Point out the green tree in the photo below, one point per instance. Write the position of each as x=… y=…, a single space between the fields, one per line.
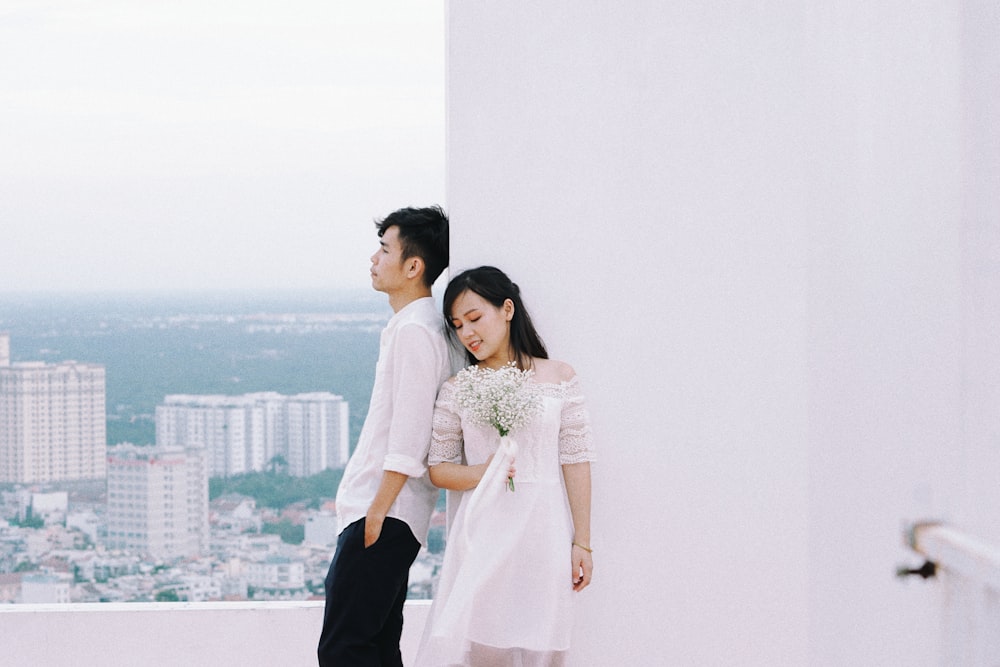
x=30 y=521
x=278 y=464
x=288 y=531
x=278 y=489
x=168 y=595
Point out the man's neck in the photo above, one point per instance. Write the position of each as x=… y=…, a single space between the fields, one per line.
x=403 y=298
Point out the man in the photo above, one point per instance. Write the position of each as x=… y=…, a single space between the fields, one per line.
x=385 y=499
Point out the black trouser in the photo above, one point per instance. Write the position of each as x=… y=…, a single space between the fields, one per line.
x=365 y=592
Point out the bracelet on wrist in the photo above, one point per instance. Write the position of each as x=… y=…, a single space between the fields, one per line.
x=587 y=549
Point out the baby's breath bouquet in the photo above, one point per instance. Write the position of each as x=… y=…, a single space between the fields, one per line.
x=502 y=398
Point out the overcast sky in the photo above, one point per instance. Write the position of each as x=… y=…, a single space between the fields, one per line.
x=210 y=144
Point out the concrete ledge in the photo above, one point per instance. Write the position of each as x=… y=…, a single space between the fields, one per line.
x=179 y=633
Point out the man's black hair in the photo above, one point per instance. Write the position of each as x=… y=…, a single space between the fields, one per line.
x=423 y=233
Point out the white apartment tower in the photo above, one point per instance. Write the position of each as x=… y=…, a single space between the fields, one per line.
x=230 y=432
x=245 y=433
x=52 y=420
x=314 y=433
x=4 y=349
x=158 y=501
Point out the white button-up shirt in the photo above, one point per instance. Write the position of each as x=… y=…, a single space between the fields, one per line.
x=413 y=362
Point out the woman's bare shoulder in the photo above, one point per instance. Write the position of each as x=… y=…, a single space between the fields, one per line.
x=552 y=371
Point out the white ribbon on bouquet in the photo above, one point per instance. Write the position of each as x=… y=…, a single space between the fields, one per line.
x=492 y=485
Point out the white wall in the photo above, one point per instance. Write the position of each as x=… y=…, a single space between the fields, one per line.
x=752 y=230
x=980 y=142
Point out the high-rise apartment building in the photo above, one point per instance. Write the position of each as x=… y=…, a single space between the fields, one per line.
x=230 y=431
x=4 y=349
x=158 y=501
x=312 y=435
x=309 y=432
x=52 y=420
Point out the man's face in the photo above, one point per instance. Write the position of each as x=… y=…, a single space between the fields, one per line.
x=388 y=272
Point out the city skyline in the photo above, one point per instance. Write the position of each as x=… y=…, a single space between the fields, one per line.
x=152 y=529
x=192 y=147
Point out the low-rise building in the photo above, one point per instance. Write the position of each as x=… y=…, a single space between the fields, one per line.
x=321 y=529
x=10 y=587
x=277 y=578
x=45 y=589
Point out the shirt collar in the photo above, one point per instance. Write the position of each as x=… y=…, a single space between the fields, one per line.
x=411 y=309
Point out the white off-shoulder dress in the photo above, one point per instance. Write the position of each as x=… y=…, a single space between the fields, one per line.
x=504 y=595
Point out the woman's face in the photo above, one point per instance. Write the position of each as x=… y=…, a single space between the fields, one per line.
x=483 y=328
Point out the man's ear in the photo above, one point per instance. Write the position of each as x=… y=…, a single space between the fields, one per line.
x=414 y=267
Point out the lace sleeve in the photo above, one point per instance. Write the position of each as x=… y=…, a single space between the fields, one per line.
x=576 y=442
x=446 y=429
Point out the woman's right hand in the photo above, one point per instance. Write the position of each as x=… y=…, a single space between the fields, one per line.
x=582 y=567
x=511 y=470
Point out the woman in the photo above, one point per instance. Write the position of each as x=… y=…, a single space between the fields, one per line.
x=514 y=557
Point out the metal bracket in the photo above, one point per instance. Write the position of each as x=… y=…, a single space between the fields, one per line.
x=927 y=570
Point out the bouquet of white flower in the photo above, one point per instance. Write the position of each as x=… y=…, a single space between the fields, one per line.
x=503 y=398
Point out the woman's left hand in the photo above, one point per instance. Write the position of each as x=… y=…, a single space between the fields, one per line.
x=583 y=567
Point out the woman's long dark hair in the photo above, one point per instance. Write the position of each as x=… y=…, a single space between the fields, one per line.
x=494 y=286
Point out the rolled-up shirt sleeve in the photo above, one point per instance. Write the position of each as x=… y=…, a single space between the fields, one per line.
x=415 y=380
